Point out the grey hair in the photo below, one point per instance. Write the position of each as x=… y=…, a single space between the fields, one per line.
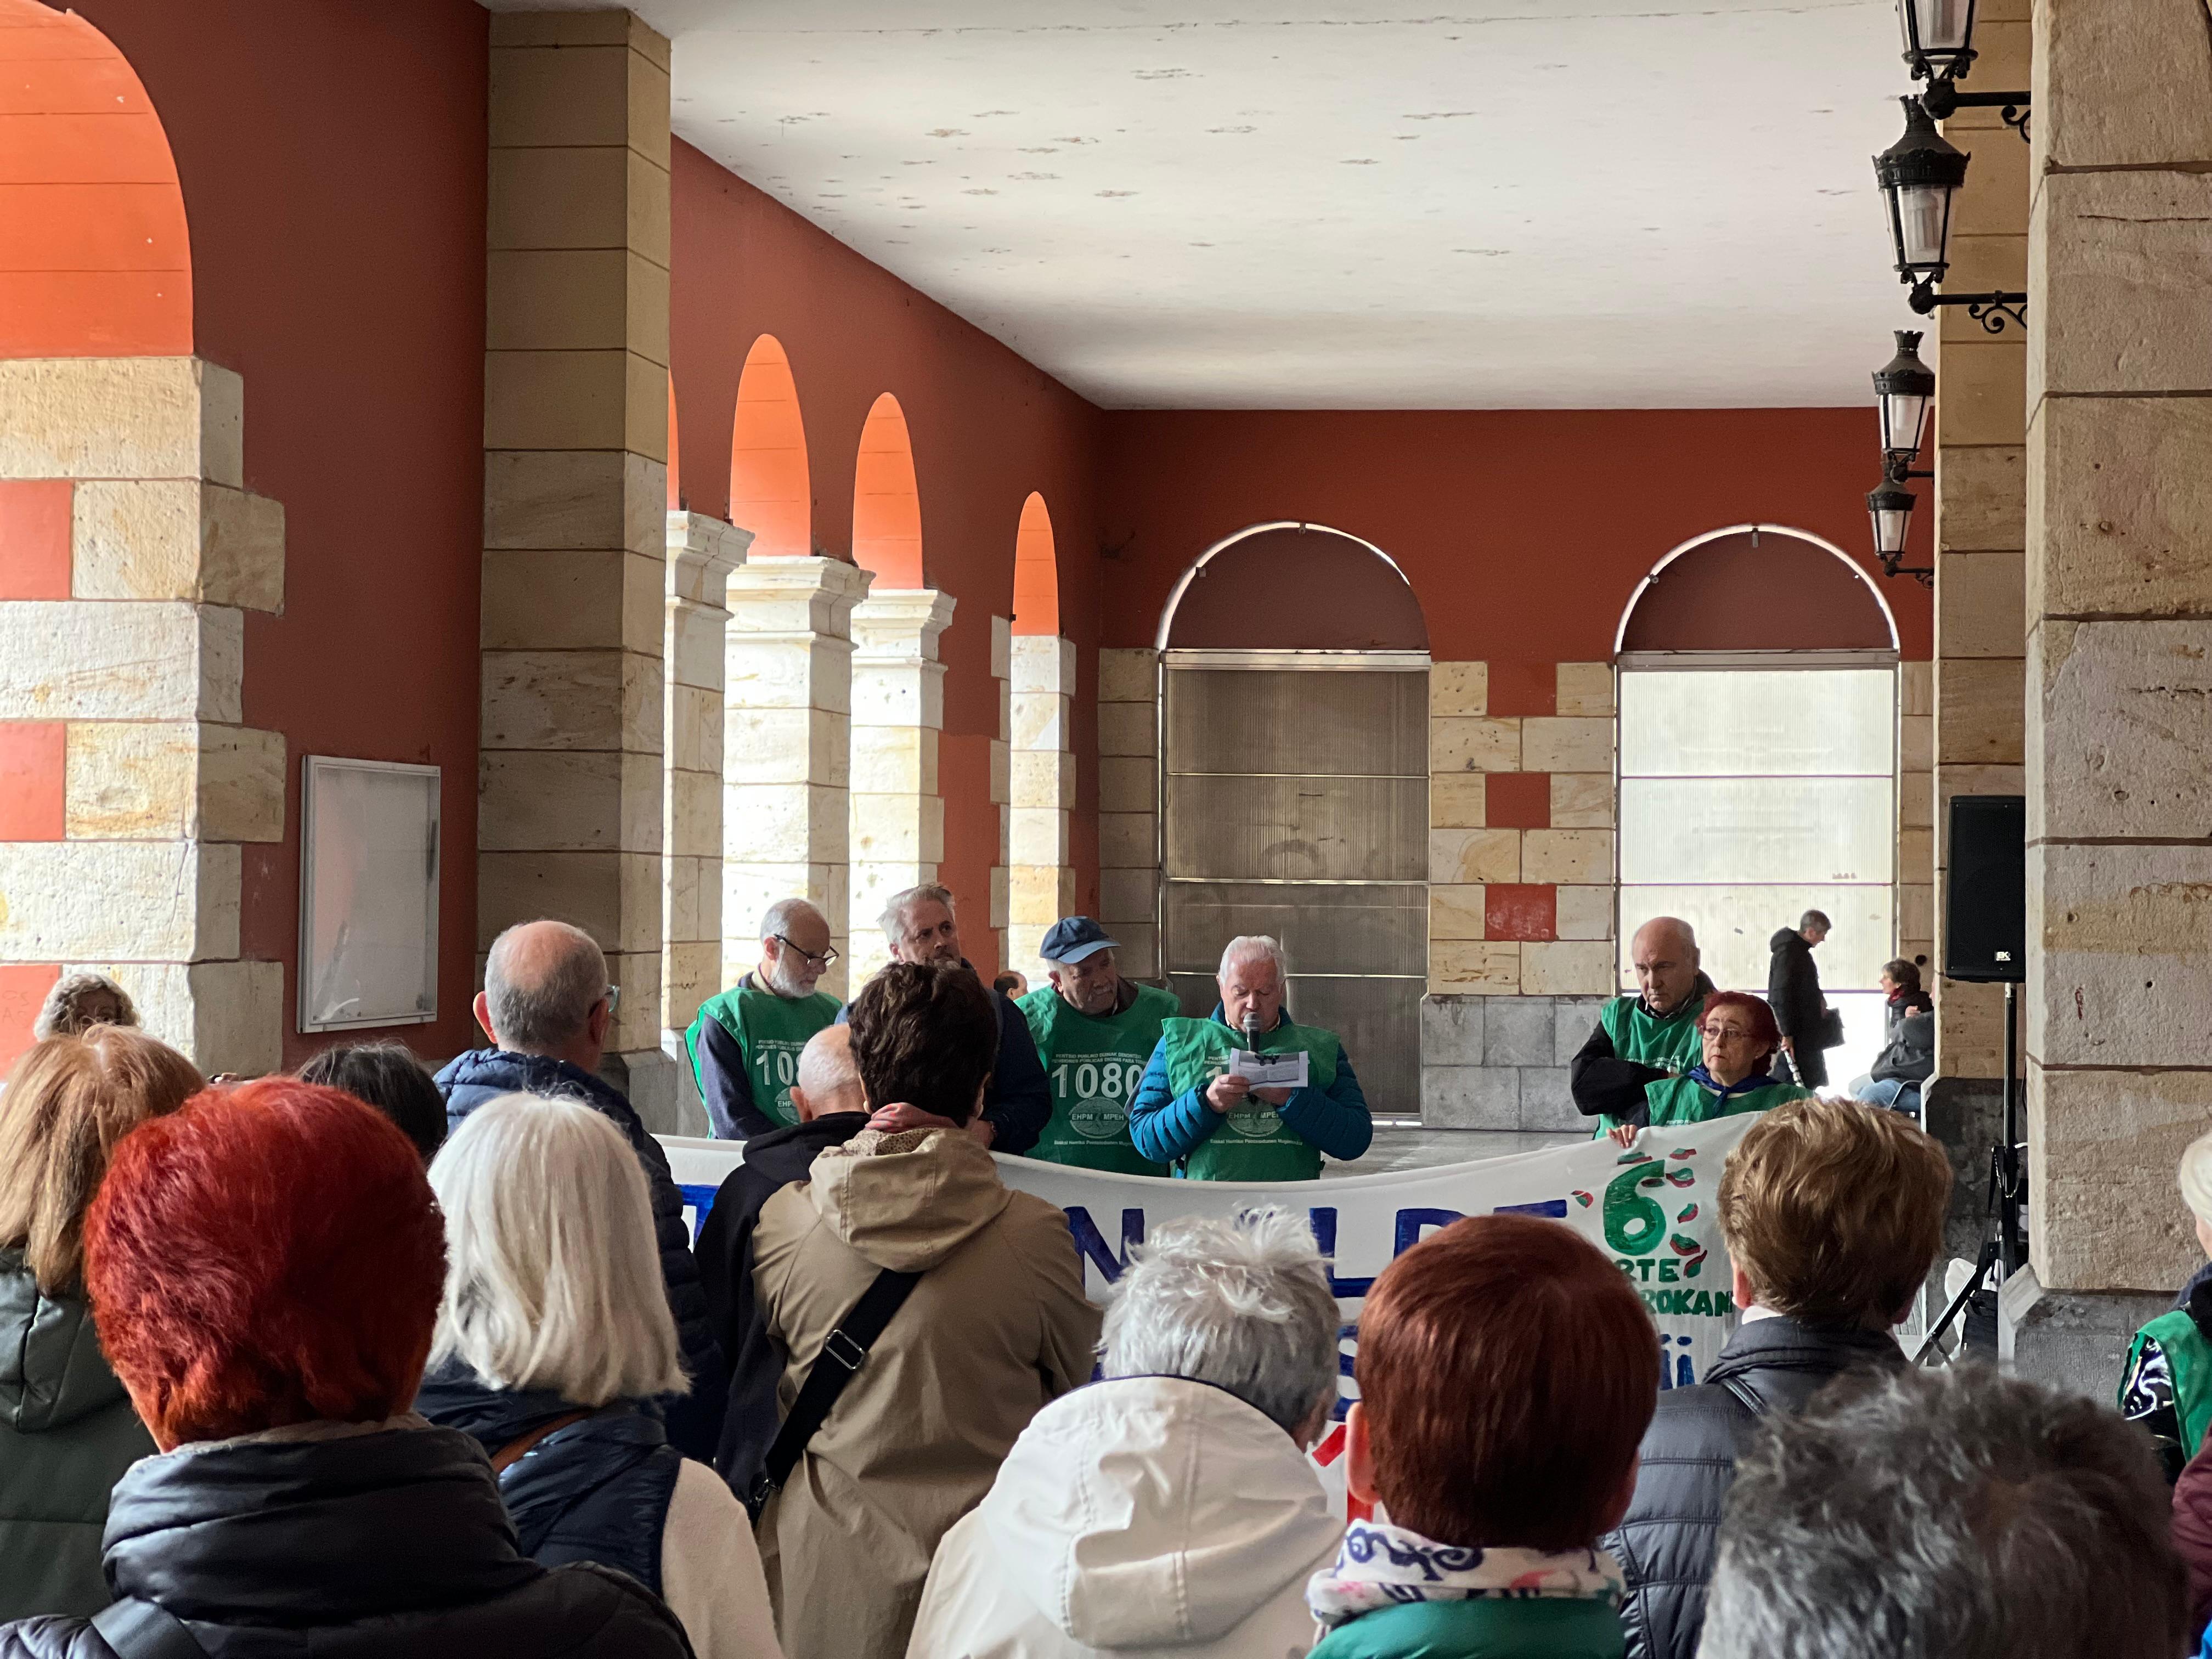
x=778 y=917
x=1947 y=1514
x=2196 y=1177
x=1243 y=1303
x=553 y=1275
x=1815 y=919
x=1255 y=945
x=550 y=1010
x=893 y=919
x=62 y=1014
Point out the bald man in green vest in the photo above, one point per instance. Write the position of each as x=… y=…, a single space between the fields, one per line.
x=1648 y=1037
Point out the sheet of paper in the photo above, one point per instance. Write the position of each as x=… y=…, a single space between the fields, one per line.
x=1269 y=1071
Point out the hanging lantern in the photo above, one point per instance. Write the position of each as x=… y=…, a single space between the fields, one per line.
x=1903 y=388
x=1918 y=174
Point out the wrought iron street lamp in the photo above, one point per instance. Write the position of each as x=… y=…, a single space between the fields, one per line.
x=1889 y=506
x=1903 y=388
x=1918 y=175
x=1939 y=48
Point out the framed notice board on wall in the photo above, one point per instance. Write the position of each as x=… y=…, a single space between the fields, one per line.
x=369 y=894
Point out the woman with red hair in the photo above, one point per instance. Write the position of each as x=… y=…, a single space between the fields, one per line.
x=265 y=1267
x=1739 y=1037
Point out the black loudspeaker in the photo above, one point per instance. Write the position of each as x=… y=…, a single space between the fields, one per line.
x=1985 y=920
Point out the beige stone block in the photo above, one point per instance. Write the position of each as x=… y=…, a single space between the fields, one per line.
x=1128 y=896
x=898 y=694
x=2118 y=272
x=1980 y=712
x=1458 y=745
x=787 y=745
x=76 y=659
x=1139 y=955
x=1567 y=855
x=2125 y=724
x=580 y=95
x=1982 y=265
x=1458 y=800
x=579 y=198
x=702 y=552
x=121 y=417
x=695 y=644
x=1467 y=968
x=1985 y=391
x=904 y=829
x=1041 y=719
x=1916 y=800
x=1039 y=834
x=1466 y=856
x=550 y=801
x=695 y=729
x=1457 y=913
x=645 y=410
x=788 y=671
x=1127 y=838
x=1126 y=783
x=684 y=877
x=695 y=808
x=1458 y=689
x=786 y=823
x=2102 y=1150
x=692 y=973
x=176 y=538
x=573 y=700
x=1046 y=778
x=1916 y=848
x=637 y=1015
x=1127 y=729
x=1586 y=688
x=1915 y=688
x=1978 y=600
x=576 y=299
x=614 y=896
x=1034 y=894
x=131 y=780
x=158 y=901
x=545 y=498
x=1916 y=742
x=1582 y=800
x=810 y=597
x=2120 y=83
x=1568 y=968
x=222 y=1015
x=556 y=400
x=1994 y=202
x=1916 y=916
x=894 y=760
x=1969 y=1030
x=1042 y=662
x=2120 y=506
x=1583 y=913
x=1001 y=765
x=1981 y=498
x=1566 y=745
x=1126 y=676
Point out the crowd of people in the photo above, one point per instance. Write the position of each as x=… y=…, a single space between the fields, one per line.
x=363 y=1362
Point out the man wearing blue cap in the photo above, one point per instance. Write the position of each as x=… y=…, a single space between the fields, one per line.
x=1094 y=1031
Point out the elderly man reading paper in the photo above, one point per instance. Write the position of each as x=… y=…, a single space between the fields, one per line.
x=1249 y=1094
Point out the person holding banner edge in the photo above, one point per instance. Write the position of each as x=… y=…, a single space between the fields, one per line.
x=1094 y=1031
x=1197 y=1110
x=1646 y=1038
x=745 y=1045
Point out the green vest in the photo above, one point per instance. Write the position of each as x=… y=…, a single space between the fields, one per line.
x=1092 y=1067
x=2189 y=1358
x=770 y=1031
x=1252 y=1143
x=1686 y=1100
x=1651 y=1039
x=1480 y=1627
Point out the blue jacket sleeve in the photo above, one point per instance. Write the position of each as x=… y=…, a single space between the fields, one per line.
x=1335 y=1119
x=1165 y=1126
x=726 y=1089
x=1018 y=1105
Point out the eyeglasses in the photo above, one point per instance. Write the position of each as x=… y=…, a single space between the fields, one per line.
x=824 y=959
x=613 y=994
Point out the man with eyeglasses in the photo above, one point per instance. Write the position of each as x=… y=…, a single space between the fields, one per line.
x=1094 y=1032
x=746 y=1043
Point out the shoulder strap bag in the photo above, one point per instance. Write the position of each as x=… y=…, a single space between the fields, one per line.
x=141 y=1630
x=844 y=1351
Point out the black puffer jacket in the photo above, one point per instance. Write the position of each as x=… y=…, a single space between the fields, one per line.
x=388 y=1545
x=1666 y=1541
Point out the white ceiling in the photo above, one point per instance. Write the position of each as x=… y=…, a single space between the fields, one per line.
x=1376 y=203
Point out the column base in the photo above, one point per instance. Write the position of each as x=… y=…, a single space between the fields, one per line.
x=2074 y=1341
x=648 y=1077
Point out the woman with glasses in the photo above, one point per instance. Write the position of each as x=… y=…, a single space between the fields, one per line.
x=746 y=1043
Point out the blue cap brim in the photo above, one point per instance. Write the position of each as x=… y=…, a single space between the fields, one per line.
x=1087 y=950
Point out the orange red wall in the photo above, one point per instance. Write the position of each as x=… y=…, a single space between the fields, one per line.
x=332 y=157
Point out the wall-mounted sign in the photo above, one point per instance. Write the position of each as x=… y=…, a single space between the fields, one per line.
x=369 y=894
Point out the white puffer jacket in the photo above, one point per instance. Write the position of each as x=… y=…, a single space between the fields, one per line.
x=1144 y=1516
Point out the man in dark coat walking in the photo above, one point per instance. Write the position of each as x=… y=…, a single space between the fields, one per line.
x=1793 y=991
x=1832 y=1212
x=548 y=1007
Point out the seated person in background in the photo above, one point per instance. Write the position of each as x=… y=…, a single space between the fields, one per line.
x=832 y=1109
x=745 y=1044
x=553 y=1340
x=1833 y=1214
x=994 y=1327
x=1220 y=1360
x=2167 y=1385
x=389 y=1077
x=78 y=1002
x=67 y=1429
x=1946 y=1515
x=1646 y=1038
x=1506 y=1371
x=1094 y=1032
x=1737 y=1033
x=1907 y=1058
x=265 y=1265
x=1192 y=1112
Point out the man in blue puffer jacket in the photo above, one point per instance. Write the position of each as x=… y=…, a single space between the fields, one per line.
x=548 y=1007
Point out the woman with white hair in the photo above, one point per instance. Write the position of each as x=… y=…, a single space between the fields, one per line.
x=1170 y=1508
x=2167 y=1386
x=554 y=1339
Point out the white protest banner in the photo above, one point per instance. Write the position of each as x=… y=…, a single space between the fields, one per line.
x=1651 y=1209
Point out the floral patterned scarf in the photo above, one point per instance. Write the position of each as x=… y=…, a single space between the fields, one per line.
x=1380 y=1565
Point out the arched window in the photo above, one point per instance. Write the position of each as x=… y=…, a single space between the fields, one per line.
x=1036 y=571
x=886 y=505
x=770 y=494
x=1759 y=763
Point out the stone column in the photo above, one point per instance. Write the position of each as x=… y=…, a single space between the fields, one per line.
x=1128 y=806
x=129 y=553
x=702 y=554
x=1916 y=814
x=898 y=713
x=1044 y=878
x=786 y=747
x=2119 y=718
x=1002 y=781
x=575 y=503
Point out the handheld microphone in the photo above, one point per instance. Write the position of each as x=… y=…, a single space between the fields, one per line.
x=1252 y=1030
